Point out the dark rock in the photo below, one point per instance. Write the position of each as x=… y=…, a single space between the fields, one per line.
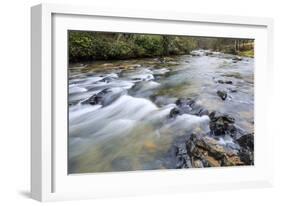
x=107 y=79
x=237 y=58
x=224 y=82
x=105 y=97
x=95 y=99
x=221 y=124
x=182 y=158
x=246 y=151
x=216 y=115
x=184 y=102
x=188 y=106
x=247 y=141
x=246 y=156
x=137 y=79
x=222 y=94
x=175 y=112
x=228 y=82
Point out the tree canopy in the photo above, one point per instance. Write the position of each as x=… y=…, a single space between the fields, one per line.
x=87 y=46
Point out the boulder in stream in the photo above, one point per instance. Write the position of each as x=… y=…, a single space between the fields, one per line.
x=188 y=106
x=222 y=94
x=246 y=152
x=225 y=81
x=205 y=152
x=182 y=158
x=221 y=124
x=105 y=97
x=237 y=58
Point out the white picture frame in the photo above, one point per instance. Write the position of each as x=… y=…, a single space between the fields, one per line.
x=49 y=178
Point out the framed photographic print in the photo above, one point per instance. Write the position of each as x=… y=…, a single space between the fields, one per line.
x=135 y=102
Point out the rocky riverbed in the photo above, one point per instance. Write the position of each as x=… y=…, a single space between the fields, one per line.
x=186 y=111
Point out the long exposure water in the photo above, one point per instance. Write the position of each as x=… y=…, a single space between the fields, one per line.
x=129 y=129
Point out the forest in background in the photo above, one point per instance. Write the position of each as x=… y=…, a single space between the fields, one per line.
x=88 y=46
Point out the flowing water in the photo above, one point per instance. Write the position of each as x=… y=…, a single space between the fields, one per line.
x=130 y=129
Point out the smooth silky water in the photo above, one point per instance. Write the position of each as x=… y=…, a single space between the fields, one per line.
x=132 y=131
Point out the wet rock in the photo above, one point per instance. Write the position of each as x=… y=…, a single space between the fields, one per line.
x=105 y=97
x=237 y=58
x=108 y=79
x=212 y=146
x=216 y=115
x=175 y=112
x=188 y=106
x=212 y=162
x=246 y=156
x=246 y=152
x=221 y=124
x=228 y=82
x=222 y=94
x=185 y=105
x=247 y=141
x=208 y=152
x=224 y=81
x=184 y=102
x=182 y=158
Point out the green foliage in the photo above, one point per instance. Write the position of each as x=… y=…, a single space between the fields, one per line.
x=150 y=45
x=120 y=50
x=247 y=53
x=85 y=46
x=80 y=46
x=183 y=45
